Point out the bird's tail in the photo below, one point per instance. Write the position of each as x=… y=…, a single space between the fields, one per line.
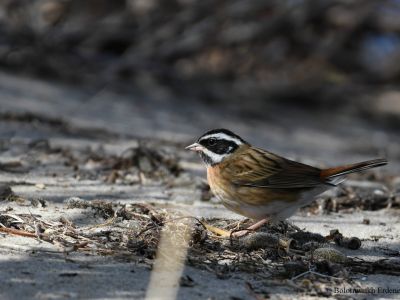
x=336 y=175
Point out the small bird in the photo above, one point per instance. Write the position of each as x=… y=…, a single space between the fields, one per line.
x=260 y=185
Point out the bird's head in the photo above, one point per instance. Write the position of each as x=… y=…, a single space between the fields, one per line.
x=216 y=145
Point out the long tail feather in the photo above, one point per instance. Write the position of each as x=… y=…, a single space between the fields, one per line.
x=333 y=174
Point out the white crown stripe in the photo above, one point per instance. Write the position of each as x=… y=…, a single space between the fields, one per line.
x=222 y=136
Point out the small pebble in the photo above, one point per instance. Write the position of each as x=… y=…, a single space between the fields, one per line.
x=352 y=243
x=260 y=240
x=329 y=254
x=40 y=186
x=5 y=191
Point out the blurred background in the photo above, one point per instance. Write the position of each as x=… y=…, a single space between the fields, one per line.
x=313 y=79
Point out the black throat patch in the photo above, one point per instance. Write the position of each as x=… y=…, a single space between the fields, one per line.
x=206 y=159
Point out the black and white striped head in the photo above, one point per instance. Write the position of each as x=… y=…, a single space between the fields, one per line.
x=215 y=145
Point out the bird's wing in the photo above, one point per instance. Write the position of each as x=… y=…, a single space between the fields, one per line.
x=259 y=168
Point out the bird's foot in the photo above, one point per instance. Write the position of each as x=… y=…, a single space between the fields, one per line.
x=234 y=233
x=216 y=230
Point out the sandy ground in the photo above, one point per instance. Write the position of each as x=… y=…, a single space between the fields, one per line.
x=33 y=269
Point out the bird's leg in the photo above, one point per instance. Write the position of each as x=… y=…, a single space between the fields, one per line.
x=253 y=227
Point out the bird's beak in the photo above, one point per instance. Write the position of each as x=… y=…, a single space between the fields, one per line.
x=195 y=147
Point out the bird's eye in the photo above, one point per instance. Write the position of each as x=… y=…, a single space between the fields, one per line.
x=212 y=142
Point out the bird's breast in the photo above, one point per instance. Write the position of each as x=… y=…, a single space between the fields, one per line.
x=220 y=186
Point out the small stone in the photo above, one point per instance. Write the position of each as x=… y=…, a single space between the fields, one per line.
x=131 y=178
x=76 y=202
x=5 y=191
x=35 y=202
x=302 y=237
x=329 y=254
x=293 y=268
x=40 y=186
x=354 y=243
x=260 y=240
